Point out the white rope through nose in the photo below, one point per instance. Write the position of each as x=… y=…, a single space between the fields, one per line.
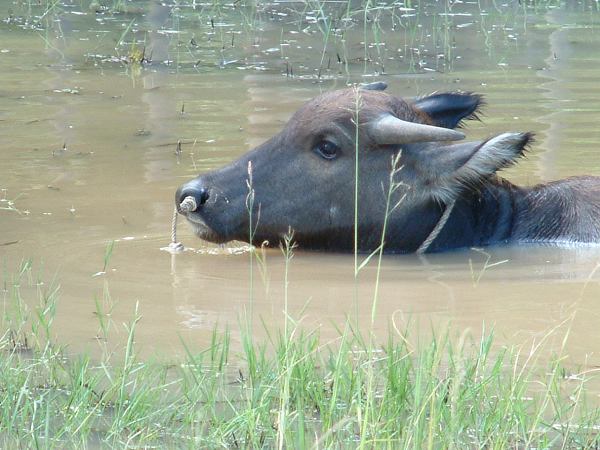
x=187 y=205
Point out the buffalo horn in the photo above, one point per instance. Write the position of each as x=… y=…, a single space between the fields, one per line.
x=391 y=130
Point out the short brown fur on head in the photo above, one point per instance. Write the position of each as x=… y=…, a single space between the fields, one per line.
x=345 y=104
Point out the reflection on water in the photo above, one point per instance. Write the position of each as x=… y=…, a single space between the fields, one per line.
x=89 y=155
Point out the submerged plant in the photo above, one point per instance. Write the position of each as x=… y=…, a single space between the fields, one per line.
x=293 y=391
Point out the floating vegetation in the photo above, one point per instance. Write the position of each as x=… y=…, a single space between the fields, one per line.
x=317 y=40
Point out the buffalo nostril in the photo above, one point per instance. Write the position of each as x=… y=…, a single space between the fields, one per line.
x=191 y=198
x=203 y=197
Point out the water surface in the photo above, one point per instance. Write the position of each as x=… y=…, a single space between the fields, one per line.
x=89 y=156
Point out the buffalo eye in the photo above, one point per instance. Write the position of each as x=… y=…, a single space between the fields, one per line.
x=326 y=149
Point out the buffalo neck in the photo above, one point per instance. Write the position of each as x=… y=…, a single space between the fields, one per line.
x=482 y=216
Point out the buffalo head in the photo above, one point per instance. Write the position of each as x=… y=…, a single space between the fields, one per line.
x=337 y=153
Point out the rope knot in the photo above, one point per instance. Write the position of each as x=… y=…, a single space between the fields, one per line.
x=188 y=204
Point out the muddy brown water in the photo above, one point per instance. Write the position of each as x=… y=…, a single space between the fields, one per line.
x=88 y=156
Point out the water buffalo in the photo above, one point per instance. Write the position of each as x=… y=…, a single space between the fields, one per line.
x=438 y=194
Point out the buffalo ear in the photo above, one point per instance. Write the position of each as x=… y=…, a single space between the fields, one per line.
x=449 y=109
x=446 y=169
